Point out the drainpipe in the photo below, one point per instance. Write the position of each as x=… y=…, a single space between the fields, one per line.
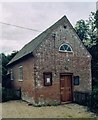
x=54 y=36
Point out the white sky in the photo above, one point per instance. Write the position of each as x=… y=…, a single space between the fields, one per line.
x=39 y=16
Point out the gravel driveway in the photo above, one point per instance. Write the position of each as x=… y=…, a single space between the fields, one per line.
x=20 y=109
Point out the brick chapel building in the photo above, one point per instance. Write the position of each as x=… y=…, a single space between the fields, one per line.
x=52 y=67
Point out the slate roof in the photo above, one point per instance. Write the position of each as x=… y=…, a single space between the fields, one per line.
x=31 y=46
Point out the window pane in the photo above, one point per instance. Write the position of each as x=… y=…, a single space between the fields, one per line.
x=62 y=48
x=47 y=79
x=68 y=49
x=20 y=73
x=65 y=47
x=76 y=80
x=11 y=74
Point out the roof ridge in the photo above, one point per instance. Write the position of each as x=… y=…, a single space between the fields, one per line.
x=36 y=41
x=45 y=30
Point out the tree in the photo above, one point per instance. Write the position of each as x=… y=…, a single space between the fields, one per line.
x=96 y=23
x=87 y=31
x=94 y=53
x=3 y=67
x=81 y=29
x=92 y=31
x=96 y=19
x=9 y=57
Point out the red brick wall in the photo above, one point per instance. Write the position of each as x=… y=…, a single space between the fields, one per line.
x=27 y=85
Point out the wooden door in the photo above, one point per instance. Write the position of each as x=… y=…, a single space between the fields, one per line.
x=66 y=88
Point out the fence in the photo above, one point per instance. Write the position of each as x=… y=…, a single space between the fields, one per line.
x=10 y=94
x=82 y=98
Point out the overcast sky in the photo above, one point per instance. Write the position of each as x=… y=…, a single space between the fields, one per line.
x=38 y=16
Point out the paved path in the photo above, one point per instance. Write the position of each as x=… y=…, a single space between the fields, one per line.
x=20 y=109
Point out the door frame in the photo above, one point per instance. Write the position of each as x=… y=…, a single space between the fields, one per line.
x=66 y=74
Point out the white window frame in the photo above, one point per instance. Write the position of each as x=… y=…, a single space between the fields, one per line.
x=11 y=74
x=65 y=50
x=19 y=74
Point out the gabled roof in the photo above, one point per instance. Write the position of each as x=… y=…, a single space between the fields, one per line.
x=31 y=46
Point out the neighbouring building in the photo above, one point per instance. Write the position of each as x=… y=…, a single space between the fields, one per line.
x=52 y=67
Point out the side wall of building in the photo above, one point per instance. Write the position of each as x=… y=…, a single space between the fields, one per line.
x=27 y=85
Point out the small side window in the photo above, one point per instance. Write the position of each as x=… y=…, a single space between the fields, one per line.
x=12 y=74
x=76 y=80
x=47 y=79
x=20 y=73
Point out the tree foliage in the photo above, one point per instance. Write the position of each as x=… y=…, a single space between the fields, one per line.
x=94 y=52
x=81 y=29
x=87 y=31
x=96 y=19
x=3 y=66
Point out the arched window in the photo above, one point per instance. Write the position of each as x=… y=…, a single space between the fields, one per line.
x=65 y=48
